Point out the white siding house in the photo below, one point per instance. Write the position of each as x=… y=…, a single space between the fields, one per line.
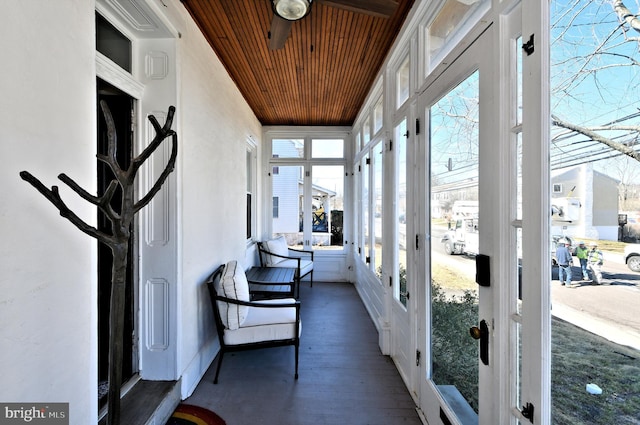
x=589 y=200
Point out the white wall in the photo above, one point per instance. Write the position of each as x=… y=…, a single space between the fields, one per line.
x=48 y=279
x=47 y=114
x=215 y=124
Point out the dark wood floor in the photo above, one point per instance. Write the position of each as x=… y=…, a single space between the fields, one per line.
x=343 y=377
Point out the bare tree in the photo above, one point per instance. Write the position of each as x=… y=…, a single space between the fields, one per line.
x=118 y=240
x=595 y=76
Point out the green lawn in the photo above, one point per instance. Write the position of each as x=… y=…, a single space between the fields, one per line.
x=578 y=358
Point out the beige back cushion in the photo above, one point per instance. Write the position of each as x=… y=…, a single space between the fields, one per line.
x=233 y=284
x=276 y=246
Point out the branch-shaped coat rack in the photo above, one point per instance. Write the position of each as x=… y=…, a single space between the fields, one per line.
x=118 y=240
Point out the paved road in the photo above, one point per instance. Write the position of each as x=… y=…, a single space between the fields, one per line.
x=611 y=310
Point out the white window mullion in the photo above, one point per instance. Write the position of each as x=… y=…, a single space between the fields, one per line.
x=536 y=274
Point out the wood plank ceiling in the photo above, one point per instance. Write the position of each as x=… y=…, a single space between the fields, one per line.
x=323 y=73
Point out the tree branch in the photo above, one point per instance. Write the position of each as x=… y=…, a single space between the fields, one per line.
x=112 y=146
x=54 y=197
x=625 y=15
x=161 y=134
x=103 y=202
x=165 y=173
x=589 y=132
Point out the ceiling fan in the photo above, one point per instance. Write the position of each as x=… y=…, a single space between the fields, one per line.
x=285 y=12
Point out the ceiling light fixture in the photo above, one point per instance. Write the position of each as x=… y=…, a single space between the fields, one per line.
x=292 y=10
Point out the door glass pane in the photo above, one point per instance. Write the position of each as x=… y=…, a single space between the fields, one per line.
x=365 y=209
x=516 y=316
x=377 y=217
x=400 y=289
x=518 y=103
x=327 y=206
x=455 y=235
x=594 y=69
x=287 y=196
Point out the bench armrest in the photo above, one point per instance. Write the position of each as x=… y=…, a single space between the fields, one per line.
x=302 y=251
x=295 y=304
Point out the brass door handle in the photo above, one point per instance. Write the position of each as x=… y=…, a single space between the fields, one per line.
x=482 y=333
x=475 y=332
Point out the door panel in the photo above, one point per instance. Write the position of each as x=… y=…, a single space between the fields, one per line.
x=461 y=221
x=402 y=320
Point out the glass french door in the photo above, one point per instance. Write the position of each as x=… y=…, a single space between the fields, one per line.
x=485 y=331
x=463 y=221
x=402 y=304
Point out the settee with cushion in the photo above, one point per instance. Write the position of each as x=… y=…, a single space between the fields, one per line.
x=276 y=253
x=245 y=325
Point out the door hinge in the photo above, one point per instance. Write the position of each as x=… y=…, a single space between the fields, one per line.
x=418 y=357
x=529 y=46
x=367 y=260
x=417 y=125
x=390 y=281
x=390 y=145
x=527 y=411
x=417 y=242
x=368 y=161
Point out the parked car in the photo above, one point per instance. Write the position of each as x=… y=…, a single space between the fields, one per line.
x=632 y=256
x=555 y=240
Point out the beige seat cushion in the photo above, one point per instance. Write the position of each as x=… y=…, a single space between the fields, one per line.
x=265 y=324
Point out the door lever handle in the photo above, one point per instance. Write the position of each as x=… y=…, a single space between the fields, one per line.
x=482 y=333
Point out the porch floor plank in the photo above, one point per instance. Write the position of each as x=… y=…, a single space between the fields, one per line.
x=343 y=377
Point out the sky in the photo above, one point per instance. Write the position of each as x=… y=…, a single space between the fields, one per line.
x=592 y=89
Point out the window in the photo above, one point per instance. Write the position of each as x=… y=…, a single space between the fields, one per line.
x=451 y=23
x=112 y=43
x=287 y=148
x=307 y=191
x=378 y=115
x=327 y=148
x=402 y=83
x=366 y=132
x=251 y=185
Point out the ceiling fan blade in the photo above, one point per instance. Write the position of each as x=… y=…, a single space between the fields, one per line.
x=379 y=8
x=279 y=32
